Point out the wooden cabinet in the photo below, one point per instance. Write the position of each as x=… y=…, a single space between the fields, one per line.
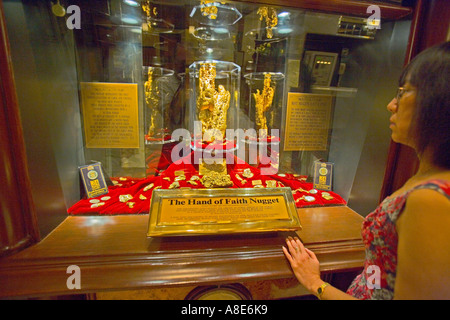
x=113 y=252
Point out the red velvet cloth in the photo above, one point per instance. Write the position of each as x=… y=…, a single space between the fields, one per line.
x=135 y=188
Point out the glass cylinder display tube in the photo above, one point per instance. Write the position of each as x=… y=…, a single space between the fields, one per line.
x=160 y=86
x=265 y=92
x=214 y=104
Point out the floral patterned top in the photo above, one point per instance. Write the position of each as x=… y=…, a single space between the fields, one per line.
x=380 y=239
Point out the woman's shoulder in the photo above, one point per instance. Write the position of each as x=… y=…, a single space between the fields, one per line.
x=429 y=193
x=428 y=202
x=439 y=181
x=440 y=184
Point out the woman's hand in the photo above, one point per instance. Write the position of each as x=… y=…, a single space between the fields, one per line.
x=304 y=263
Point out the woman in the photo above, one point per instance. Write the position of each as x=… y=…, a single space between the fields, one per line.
x=407 y=237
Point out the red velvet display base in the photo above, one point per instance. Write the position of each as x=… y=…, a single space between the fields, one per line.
x=140 y=189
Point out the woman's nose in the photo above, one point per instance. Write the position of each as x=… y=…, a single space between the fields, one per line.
x=392 y=106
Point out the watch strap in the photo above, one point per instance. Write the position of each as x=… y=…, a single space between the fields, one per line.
x=321 y=290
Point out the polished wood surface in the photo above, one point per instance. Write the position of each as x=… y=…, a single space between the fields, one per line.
x=113 y=253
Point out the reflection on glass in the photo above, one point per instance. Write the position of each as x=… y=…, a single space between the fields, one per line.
x=160 y=86
x=211 y=33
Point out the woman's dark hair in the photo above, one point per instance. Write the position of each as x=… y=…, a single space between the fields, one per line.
x=429 y=72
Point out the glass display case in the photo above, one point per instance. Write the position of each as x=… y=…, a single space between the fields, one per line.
x=142 y=86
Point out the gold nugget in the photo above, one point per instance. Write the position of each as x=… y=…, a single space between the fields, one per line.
x=208 y=10
x=142 y=197
x=216 y=180
x=180 y=178
x=269 y=14
x=327 y=196
x=125 y=197
x=148 y=187
x=146 y=7
x=271 y=184
x=212 y=104
x=247 y=173
x=257 y=183
x=174 y=185
x=263 y=101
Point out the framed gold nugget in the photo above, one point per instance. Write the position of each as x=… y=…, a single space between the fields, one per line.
x=182 y=212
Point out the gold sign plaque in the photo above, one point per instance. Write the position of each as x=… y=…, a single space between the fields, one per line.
x=110 y=114
x=221 y=211
x=308 y=119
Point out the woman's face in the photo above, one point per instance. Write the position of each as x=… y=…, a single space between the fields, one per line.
x=402 y=108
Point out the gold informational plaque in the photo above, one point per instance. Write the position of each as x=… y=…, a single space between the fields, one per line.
x=182 y=212
x=110 y=114
x=308 y=119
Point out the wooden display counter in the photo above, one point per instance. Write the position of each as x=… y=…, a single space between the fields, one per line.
x=113 y=253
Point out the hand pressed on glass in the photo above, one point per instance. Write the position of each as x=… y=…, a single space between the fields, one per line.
x=304 y=263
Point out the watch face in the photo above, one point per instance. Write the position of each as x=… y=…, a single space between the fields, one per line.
x=319 y=290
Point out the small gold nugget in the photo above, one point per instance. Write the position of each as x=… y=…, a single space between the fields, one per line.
x=174 y=185
x=247 y=173
x=125 y=197
x=243 y=181
x=271 y=184
x=148 y=187
x=300 y=190
x=142 y=197
x=180 y=178
x=216 y=180
x=327 y=196
x=179 y=173
x=257 y=184
x=271 y=17
x=130 y=204
x=208 y=10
